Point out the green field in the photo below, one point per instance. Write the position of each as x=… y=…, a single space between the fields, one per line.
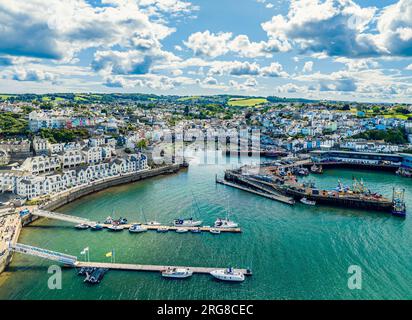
x=246 y=102
x=5 y=96
x=398 y=116
x=188 y=98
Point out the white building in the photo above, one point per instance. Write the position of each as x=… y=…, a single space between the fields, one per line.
x=41 y=164
x=33 y=186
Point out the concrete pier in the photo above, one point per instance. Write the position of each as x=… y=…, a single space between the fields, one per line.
x=151 y=268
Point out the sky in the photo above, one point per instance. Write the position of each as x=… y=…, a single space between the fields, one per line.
x=354 y=50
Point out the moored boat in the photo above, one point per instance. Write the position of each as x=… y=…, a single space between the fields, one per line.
x=109 y=220
x=162 y=229
x=115 y=228
x=137 y=228
x=228 y=274
x=308 y=202
x=177 y=273
x=153 y=223
x=225 y=223
x=96 y=227
x=187 y=222
x=196 y=230
x=182 y=230
x=214 y=231
x=82 y=226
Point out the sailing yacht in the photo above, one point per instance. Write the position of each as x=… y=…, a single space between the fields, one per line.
x=187 y=222
x=150 y=223
x=226 y=222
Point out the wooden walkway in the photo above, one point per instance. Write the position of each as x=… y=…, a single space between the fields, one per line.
x=150 y=268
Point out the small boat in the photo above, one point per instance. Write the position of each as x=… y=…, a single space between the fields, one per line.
x=214 y=231
x=96 y=276
x=196 y=230
x=109 y=220
x=308 y=202
x=162 y=229
x=122 y=221
x=177 y=273
x=96 y=227
x=399 y=209
x=153 y=223
x=316 y=169
x=84 y=270
x=82 y=226
x=137 y=228
x=187 y=222
x=228 y=274
x=225 y=223
x=182 y=230
x=115 y=228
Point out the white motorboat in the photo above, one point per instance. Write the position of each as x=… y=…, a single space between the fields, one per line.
x=137 y=228
x=214 y=231
x=225 y=223
x=228 y=275
x=308 y=202
x=182 y=230
x=187 y=223
x=177 y=273
x=82 y=226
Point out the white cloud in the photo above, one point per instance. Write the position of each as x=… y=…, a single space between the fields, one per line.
x=208 y=44
x=56 y=29
x=212 y=45
x=308 y=67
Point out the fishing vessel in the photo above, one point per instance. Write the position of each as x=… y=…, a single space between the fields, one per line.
x=162 y=229
x=82 y=226
x=177 y=273
x=187 y=222
x=308 y=202
x=214 y=231
x=399 y=207
x=137 y=228
x=228 y=274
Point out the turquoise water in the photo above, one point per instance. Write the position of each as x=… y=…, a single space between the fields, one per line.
x=295 y=252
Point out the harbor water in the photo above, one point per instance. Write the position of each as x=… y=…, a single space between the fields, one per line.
x=295 y=252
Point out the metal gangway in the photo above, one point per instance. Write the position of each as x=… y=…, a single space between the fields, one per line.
x=43 y=253
x=62 y=217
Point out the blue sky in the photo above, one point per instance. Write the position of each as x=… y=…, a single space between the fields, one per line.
x=324 y=49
